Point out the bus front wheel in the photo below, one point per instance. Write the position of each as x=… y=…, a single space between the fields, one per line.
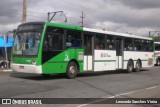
x=130 y=66
x=71 y=70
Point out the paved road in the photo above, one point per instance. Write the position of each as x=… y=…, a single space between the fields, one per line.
x=88 y=85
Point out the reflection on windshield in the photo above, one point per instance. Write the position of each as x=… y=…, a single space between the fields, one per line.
x=26 y=43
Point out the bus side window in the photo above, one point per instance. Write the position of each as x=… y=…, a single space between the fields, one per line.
x=135 y=48
x=73 y=39
x=100 y=41
x=110 y=43
x=138 y=44
x=53 y=39
x=110 y=46
x=128 y=45
x=150 y=46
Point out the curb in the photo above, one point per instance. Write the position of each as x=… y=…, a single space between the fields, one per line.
x=5 y=70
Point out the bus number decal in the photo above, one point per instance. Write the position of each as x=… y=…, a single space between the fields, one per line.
x=66 y=56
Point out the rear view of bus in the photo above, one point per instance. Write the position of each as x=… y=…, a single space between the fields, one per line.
x=26 y=47
x=157 y=53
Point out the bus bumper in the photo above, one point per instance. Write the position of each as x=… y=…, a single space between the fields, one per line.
x=24 y=68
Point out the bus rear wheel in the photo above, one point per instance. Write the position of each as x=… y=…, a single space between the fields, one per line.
x=71 y=70
x=138 y=66
x=130 y=66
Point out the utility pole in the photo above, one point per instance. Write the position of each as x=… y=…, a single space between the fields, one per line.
x=82 y=17
x=24 y=11
x=5 y=48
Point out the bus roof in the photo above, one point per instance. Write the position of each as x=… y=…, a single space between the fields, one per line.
x=88 y=29
x=98 y=31
x=30 y=23
x=67 y=26
x=116 y=33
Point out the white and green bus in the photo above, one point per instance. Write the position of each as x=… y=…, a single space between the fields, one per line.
x=52 y=48
x=157 y=53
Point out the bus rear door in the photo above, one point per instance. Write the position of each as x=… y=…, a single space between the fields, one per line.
x=119 y=53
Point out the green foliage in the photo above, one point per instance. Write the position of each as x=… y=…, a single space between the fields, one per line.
x=157 y=38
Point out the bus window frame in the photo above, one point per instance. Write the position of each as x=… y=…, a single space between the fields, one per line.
x=63 y=36
x=114 y=39
x=98 y=47
x=75 y=34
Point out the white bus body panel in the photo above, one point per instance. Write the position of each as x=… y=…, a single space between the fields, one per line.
x=27 y=68
x=87 y=65
x=104 y=60
x=145 y=57
x=90 y=63
x=85 y=61
x=119 y=62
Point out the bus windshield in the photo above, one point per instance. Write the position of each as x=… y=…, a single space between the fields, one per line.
x=26 y=43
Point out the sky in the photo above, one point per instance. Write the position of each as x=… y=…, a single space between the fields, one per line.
x=125 y=16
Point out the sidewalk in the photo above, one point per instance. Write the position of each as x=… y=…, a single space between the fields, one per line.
x=5 y=70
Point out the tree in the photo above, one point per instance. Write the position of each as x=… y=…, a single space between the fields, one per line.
x=157 y=38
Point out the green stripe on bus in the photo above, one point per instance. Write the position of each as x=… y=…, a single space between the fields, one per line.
x=65 y=26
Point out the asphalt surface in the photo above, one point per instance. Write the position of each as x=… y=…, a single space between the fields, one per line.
x=112 y=84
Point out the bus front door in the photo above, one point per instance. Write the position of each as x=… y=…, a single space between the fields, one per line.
x=119 y=53
x=88 y=52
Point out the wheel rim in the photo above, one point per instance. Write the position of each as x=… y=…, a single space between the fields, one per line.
x=137 y=66
x=130 y=67
x=72 y=70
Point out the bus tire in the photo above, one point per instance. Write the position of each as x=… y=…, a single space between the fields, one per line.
x=130 y=66
x=138 y=66
x=71 y=70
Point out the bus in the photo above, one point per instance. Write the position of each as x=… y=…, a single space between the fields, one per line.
x=157 y=53
x=52 y=48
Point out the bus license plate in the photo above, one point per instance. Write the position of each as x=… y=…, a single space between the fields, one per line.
x=21 y=67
